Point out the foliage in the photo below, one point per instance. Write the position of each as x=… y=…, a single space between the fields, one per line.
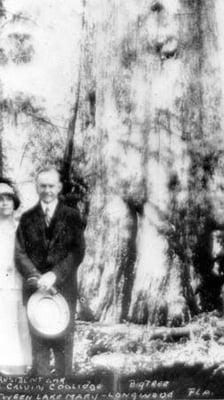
x=21 y=48
x=127 y=350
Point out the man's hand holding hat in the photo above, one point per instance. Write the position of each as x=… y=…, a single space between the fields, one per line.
x=46 y=281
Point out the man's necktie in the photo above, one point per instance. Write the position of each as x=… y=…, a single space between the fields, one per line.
x=47 y=216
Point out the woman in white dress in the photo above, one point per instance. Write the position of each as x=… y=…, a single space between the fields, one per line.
x=15 y=347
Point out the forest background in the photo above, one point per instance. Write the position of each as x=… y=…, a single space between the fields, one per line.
x=127 y=99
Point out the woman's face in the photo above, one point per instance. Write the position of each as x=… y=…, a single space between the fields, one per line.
x=6 y=205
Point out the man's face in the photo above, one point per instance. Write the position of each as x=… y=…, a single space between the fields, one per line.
x=48 y=186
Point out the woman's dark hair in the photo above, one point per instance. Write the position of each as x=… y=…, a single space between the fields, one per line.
x=15 y=196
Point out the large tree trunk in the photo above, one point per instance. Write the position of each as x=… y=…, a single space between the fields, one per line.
x=148 y=140
x=155 y=85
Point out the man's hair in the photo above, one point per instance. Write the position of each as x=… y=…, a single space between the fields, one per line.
x=49 y=168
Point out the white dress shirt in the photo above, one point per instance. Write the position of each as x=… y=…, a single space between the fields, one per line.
x=51 y=207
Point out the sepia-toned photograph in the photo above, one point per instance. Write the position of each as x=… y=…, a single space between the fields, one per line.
x=111 y=199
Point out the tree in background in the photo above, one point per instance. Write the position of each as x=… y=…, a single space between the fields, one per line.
x=158 y=123
x=128 y=105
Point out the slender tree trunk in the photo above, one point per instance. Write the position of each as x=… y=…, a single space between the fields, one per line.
x=1 y=108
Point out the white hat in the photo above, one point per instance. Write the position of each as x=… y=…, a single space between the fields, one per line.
x=6 y=189
x=40 y=306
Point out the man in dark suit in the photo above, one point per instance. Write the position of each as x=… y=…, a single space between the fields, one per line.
x=49 y=248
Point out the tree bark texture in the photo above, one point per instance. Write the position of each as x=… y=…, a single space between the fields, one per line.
x=158 y=124
x=147 y=120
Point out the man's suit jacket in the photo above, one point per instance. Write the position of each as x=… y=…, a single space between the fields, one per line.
x=59 y=248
